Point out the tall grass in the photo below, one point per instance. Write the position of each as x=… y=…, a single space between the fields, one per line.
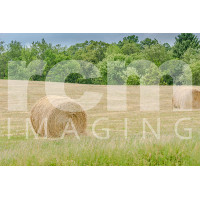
x=90 y=151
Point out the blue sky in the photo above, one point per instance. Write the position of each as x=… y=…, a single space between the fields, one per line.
x=73 y=38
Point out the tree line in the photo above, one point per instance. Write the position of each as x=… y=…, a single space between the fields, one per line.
x=186 y=48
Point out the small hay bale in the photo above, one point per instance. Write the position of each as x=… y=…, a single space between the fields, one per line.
x=186 y=98
x=58 y=112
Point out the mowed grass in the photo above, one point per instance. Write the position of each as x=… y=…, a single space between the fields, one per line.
x=125 y=145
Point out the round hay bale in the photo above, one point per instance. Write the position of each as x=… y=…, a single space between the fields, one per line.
x=186 y=98
x=60 y=113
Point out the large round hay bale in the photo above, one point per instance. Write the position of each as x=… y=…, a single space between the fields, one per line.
x=186 y=98
x=60 y=113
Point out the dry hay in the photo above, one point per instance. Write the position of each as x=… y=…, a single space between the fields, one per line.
x=60 y=113
x=186 y=98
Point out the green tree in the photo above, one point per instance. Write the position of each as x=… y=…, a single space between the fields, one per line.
x=3 y=61
x=116 y=70
x=130 y=48
x=47 y=52
x=167 y=46
x=152 y=76
x=157 y=54
x=191 y=56
x=195 y=67
x=129 y=39
x=14 y=51
x=131 y=76
x=2 y=48
x=133 y=80
x=91 y=51
x=113 y=49
x=148 y=42
x=73 y=78
x=173 y=72
x=183 y=42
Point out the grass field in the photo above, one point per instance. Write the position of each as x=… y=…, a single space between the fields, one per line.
x=117 y=149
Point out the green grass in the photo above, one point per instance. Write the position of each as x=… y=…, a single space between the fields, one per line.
x=93 y=152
